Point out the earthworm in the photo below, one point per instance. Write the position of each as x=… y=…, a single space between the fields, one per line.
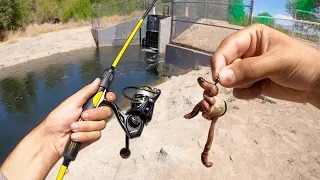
x=211 y=109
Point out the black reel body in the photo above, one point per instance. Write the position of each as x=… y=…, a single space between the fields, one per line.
x=140 y=113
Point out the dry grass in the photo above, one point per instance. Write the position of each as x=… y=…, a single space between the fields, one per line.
x=34 y=30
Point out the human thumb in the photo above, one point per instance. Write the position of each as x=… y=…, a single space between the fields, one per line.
x=246 y=72
x=81 y=96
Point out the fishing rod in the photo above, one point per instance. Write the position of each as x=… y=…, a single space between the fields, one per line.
x=72 y=148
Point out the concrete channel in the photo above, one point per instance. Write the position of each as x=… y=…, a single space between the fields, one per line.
x=177 y=60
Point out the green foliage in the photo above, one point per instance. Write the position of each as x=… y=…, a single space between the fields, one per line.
x=13 y=14
x=76 y=10
x=134 y=5
x=46 y=10
x=237 y=14
x=16 y=14
x=6 y=14
x=305 y=5
x=117 y=7
x=262 y=20
x=111 y=7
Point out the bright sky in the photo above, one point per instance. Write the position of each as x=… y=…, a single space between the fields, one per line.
x=276 y=8
x=273 y=7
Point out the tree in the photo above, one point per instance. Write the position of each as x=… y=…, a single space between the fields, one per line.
x=264 y=20
x=76 y=10
x=303 y=30
x=13 y=14
x=237 y=14
x=46 y=10
x=304 y=5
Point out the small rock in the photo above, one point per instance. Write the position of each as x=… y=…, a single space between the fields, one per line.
x=293 y=131
x=290 y=161
x=162 y=155
x=230 y=158
x=171 y=155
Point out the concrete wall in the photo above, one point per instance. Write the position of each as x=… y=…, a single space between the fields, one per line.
x=164 y=34
x=179 y=60
x=117 y=35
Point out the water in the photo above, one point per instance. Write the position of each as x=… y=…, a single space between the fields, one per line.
x=31 y=90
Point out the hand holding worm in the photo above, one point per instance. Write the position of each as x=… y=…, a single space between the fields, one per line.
x=211 y=109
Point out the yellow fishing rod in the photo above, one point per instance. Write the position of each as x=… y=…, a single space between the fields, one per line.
x=72 y=148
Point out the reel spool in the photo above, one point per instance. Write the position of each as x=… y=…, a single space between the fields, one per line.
x=140 y=113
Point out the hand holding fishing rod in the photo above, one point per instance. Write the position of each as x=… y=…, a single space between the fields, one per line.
x=72 y=147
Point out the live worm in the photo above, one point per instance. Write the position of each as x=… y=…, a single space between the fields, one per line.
x=211 y=109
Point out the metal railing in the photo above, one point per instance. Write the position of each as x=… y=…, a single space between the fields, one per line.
x=122 y=8
x=190 y=14
x=125 y=9
x=306 y=31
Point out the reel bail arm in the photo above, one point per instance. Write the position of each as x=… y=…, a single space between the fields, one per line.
x=140 y=113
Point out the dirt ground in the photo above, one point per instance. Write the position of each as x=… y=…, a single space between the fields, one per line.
x=25 y=49
x=257 y=139
x=206 y=38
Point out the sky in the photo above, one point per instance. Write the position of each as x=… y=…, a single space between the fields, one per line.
x=273 y=7
x=276 y=8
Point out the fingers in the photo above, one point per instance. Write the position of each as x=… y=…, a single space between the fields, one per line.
x=230 y=49
x=86 y=136
x=88 y=126
x=99 y=113
x=250 y=41
x=247 y=71
x=111 y=97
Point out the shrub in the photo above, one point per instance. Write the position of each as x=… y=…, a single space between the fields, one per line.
x=46 y=10
x=76 y=10
x=267 y=21
x=237 y=14
x=13 y=14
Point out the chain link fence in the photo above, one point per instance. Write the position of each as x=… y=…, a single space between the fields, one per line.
x=108 y=14
x=305 y=31
x=202 y=25
x=105 y=15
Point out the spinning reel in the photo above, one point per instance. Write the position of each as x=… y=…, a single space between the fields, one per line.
x=140 y=113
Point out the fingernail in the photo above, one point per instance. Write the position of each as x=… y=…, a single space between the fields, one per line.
x=111 y=97
x=74 y=136
x=74 y=126
x=95 y=81
x=227 y=76
x=85 y=116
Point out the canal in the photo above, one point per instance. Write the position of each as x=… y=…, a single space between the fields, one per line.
x=30 y=91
